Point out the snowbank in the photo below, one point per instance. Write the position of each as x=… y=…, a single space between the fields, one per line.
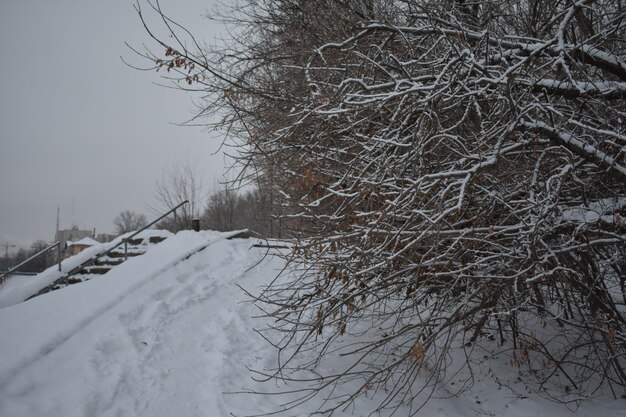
x=169 y=334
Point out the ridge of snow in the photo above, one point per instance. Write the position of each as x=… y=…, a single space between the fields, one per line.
x=74 y=309
x=17 y=289
x=84 y=241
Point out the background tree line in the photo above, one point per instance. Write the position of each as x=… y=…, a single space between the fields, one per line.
x=223 y=210
x=36 y=265
x=230 y=207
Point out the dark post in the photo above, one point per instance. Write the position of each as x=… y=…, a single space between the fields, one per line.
x=195 y=224
x=59 y=254
x=125 y=249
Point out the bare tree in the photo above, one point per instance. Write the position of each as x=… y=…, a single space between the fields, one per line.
x=36 y=265
x=230 y=209
x=128 y=221
x=179 y=182
x=455 y=175
x=222 y=210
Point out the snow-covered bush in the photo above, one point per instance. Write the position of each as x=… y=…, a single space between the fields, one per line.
x=455 y=176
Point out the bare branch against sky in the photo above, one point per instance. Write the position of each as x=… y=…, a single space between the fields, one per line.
x=77 y=124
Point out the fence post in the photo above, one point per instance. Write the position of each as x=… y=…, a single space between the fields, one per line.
x=195 y=224
x=125 y=249
x=59 y=254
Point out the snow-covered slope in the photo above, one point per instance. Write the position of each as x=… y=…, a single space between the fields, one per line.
x=167 y=334
x=19 y=288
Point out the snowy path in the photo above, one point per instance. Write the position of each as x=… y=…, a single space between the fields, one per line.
x=175 y=323
x=178 y=342
x=167 y=335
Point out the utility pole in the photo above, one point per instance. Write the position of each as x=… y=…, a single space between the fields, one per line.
x=6 y=249
x=58 y=219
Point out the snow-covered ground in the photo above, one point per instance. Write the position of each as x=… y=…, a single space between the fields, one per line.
x=18 y=288
x=169 y=334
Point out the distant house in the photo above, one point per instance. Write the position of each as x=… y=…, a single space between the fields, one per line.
x=72 y=235
x=78 y=246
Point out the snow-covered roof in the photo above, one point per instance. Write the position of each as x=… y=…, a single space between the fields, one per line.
x=86 y=241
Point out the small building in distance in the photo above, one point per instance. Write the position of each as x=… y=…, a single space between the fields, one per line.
x=70 y=235
x=75 y=247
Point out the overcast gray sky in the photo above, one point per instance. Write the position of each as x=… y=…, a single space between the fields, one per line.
x=78 y=124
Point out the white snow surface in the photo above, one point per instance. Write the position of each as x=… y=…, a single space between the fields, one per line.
x=167 y=334
x=18 y=288
x=596 y=211
x=84 y=241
